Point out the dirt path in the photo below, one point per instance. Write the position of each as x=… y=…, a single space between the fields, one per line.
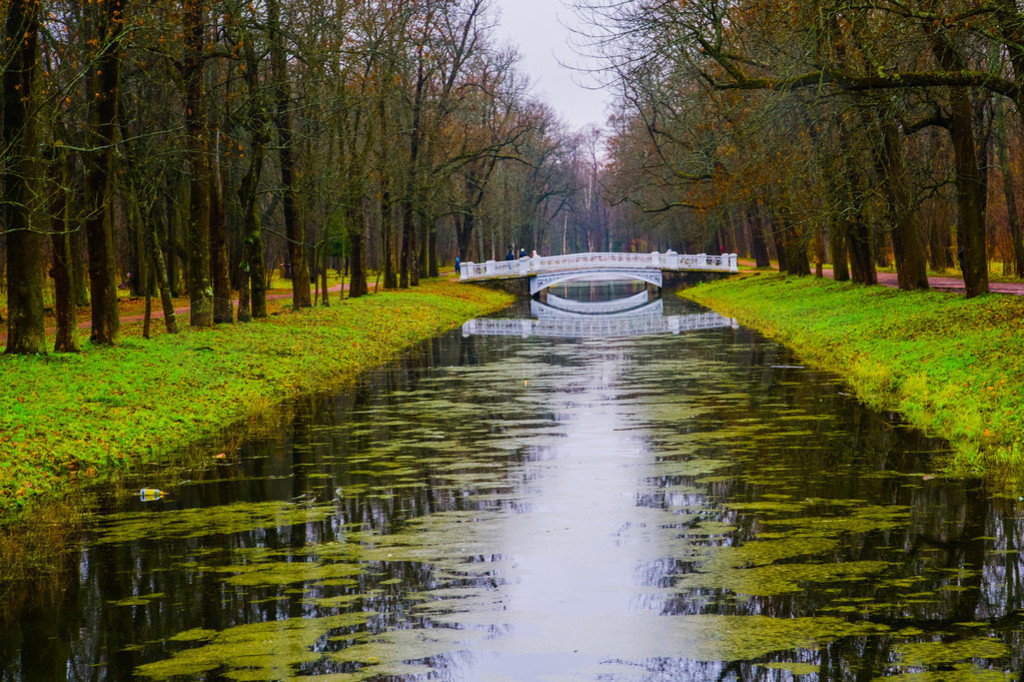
x=158 y=312
x=888 y=279
x=949 y=284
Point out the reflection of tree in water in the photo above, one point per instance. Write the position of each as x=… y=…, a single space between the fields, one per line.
x=944 y=573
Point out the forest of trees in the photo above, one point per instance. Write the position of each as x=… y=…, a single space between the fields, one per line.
x=199 y=147
x=861 y=134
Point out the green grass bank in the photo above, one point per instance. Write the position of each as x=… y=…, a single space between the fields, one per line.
x=97 y=413
x=951 y=366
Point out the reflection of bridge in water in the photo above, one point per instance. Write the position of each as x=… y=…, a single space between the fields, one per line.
x=556 y=305
x=558 y=324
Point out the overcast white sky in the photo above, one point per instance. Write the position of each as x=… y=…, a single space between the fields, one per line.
x=534 y=27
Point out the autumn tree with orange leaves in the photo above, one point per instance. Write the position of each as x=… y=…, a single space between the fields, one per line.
x=860 y=81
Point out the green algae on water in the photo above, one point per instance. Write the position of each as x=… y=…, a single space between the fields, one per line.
x=259 y=651
x=916 y=654
x=778 y=579
x=279 y=573
x=200 y=522
x=140 y=600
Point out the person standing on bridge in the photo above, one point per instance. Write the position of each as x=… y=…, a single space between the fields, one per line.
x=510 y=255
x=522 y=252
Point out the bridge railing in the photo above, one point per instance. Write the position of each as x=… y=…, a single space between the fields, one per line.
x=527 y=266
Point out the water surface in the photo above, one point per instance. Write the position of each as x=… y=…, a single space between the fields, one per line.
x=667 y=506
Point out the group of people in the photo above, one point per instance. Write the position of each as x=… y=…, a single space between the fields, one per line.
x=511 y=255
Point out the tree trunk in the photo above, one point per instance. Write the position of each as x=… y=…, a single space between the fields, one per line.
x=464 y=235
x=324 y=248
x=357 y=241
x=244 y=307
x=147 y=315
x=423 y=253
x=409 y=247
x=838 y=226
x=26 y=331
x=315 y=277
x=295 y=229
x=970 y=200
x=790 y=246
x=223 y=306
x=141 y=274
x=106 y=83
x=136 y=250
x=200 y=289
x=797 y=262
x=64 y=303
x=410 y=264
x=760 y=247
x=387 y=233
x=837 y=249
x=78 y=283
x=819 y=253
x=160 y=272
x=911 y=272
x=254 y=288
x=862 y=262
x=252 y=228
x=970 y=203
x=858 y=233
x=177 y=198
x=432 y=247
x=1009 y=191
x=778 y=238
x=940 y=242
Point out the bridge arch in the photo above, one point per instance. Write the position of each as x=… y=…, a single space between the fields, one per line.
x=541 y=282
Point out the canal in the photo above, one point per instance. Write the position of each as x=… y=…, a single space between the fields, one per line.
x=646 y=494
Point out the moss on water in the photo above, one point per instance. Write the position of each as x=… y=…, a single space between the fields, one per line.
x=141 y=600
x=260 y=651
x=199 y=522
x=951 y=661
x=916 y=654
x=280 y=573
x=776 y=579
x=950 y=365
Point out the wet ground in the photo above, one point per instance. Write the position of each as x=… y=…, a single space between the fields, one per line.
x=665 y=506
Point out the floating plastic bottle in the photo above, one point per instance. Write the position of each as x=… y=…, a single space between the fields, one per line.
x=150 y=494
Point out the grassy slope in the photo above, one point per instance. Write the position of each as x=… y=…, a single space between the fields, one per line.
x=99 y=411
x=952 y=366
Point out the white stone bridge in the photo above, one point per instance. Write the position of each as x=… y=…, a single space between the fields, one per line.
x=547 y=271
